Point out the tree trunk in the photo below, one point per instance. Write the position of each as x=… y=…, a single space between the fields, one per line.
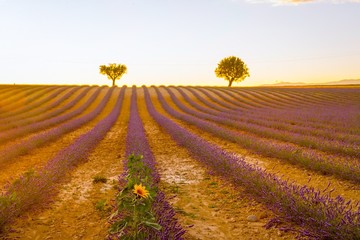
x=113 y=82
x=230 y=82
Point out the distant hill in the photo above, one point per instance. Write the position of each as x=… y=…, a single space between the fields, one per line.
x=344 y=82
x=285 y=84
x=340 y=82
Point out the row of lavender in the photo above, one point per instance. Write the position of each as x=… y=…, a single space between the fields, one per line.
x=329 y=93
x=299 y=114
x=137 y=144
x=26 y=102
x=333 y=121
x=12 y=90
x=299 y=138
x=312 y=95
x=23 y=146
x=286 y=97
x=349 y=170
x=47 y=119
x=22 y=106
x=259 y=121
x=264 y=116
x=312 y=115
x=344 y=99
x=245 y=100
x=45 y=111
x=322 y=216
x=10 y=94
x=303 y=108
x=288 y=119
x=34 y=188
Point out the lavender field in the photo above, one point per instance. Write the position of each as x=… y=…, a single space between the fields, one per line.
x=227 y=163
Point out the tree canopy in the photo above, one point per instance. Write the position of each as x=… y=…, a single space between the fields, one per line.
x=113 y=71
x=232 y=69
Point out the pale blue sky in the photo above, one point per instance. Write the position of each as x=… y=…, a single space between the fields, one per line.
x=177 y=42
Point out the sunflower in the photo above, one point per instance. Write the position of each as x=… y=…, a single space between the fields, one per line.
x=141 y=191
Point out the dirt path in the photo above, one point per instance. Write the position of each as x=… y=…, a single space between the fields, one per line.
x=216 y=209
x=80 y=210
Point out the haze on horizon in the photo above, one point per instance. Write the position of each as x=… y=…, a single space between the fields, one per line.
x=178 y=42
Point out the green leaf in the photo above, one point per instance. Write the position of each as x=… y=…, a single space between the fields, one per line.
x=118 y=226
x=153 y=225
x=114 y=214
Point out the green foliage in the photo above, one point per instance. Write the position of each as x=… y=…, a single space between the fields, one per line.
x=113 y=71
x=103 y=207
x=6 y=202
x=174 y=189
x=232 y=69
x=213 y=184
x=27 y=176
x=101 y=204
x=135 y=211
x=99 y=179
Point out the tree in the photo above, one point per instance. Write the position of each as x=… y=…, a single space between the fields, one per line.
x=113 y=71
x=232 y=69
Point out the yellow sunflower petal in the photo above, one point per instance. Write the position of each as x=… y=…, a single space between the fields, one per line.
x=141 y=191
